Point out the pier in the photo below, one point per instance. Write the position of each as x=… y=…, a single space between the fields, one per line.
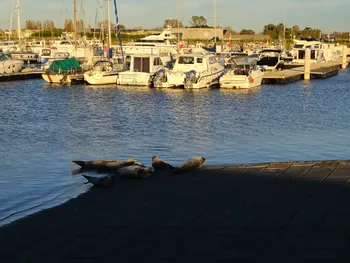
x=263 y=212
x=296 y=72
x=21 y=76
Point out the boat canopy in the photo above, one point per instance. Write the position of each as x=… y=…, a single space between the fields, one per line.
x=64 y=65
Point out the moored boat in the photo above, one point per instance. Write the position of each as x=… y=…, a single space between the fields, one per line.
x=63 y=71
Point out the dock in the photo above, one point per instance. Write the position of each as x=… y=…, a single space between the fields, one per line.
x=21 y=76
x=296 y=72
x=262 y=212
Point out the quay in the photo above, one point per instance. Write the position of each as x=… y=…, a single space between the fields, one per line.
x=264 y=212
x=21 y=76
x=318 y=71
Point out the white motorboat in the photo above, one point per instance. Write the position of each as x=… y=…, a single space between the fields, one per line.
x=271 y=59
x=9 y=65
x=141 y=70
x=104 y=72
x=191 y=71
x=319 y=51
x=152 y=44
x=244 y=75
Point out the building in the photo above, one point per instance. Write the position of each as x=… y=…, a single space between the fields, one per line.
x=198 y=33
x=210 y=33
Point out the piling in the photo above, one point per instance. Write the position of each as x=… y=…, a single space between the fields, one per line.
x=307 y=65
x=344 y=57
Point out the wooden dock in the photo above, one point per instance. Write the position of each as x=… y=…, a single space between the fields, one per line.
x=318 y=71
x=21 y=76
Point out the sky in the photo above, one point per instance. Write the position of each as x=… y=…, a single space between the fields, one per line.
x=327 y=15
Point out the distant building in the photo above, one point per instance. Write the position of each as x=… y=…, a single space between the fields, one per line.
x=210 y=33
x=198 y=33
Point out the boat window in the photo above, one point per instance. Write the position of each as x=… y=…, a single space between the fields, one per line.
x=186 y=60
x=4 y=57
x=313 y=54
x=212 y=60
x=157 y=61
x=199 y=60
x=298 y=46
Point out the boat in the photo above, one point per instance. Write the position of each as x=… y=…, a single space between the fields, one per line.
x=9 y=65
x=191 y=71
x=319 y=52
x=244 y=75
x=104 y=72
x=63 y=71
x=271 y=59
x=152 y=44
x=142 y=69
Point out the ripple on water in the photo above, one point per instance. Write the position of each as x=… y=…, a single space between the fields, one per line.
x=44 y=127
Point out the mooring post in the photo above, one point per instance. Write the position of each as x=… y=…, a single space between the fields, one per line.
x=344 y=56
x=307 y=65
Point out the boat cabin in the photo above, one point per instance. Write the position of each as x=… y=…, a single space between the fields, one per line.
x=198 y=62
x=148 y=64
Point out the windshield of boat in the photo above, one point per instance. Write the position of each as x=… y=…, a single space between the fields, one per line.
x=186 y=60
x=4 y=57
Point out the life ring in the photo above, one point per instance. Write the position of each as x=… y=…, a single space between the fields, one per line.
x=251 y=80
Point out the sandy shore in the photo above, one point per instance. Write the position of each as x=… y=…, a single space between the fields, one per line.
x=270 y=212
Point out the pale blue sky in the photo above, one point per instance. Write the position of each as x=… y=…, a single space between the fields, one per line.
x=326 y=15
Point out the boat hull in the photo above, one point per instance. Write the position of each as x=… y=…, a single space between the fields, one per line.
x=61 y=78
x=232 y=81
x=135 y=78
x=11 y=66
x=205 y=80
x=101 y=78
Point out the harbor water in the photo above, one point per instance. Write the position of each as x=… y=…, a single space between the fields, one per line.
x=44 y=127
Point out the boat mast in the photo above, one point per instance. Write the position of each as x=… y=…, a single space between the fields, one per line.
x=118 y=30
x=109 y=25
x=18 y=26
x=178 y=22
x=215 y=22
x=102 y=29
x=11 y=20
x=75 y=24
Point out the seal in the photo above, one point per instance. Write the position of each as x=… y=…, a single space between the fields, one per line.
x=104 y=181
x=135 y=171
x=192 y=164
x=159 y=164
x=104 y=164
x=115 y=166
x=95 y=164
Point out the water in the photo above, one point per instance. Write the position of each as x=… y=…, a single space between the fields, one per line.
x=44 y=127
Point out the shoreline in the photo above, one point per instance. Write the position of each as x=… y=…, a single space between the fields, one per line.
x=250 y=212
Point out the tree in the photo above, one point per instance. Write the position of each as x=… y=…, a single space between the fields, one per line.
x=247 y=32
x=105 y=24
x=68 y=25
x=198 y=21
x=174 y=23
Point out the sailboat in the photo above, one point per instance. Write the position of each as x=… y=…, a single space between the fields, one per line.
x=105 y=71
x=67 y=70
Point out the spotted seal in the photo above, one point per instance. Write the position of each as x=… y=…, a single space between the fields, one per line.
x=159 y=164
x=100 y=181
x=135 y=171
x=192 y=164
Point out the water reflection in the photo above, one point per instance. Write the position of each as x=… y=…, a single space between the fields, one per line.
x=43 y=127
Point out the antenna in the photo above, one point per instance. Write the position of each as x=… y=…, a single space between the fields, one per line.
x=215 y=22
x=18 y=25
x=11 y=20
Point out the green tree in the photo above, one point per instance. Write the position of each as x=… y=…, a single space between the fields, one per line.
x=198 y=21
x=247 y=32
x=172 y=22
x=68 y=25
